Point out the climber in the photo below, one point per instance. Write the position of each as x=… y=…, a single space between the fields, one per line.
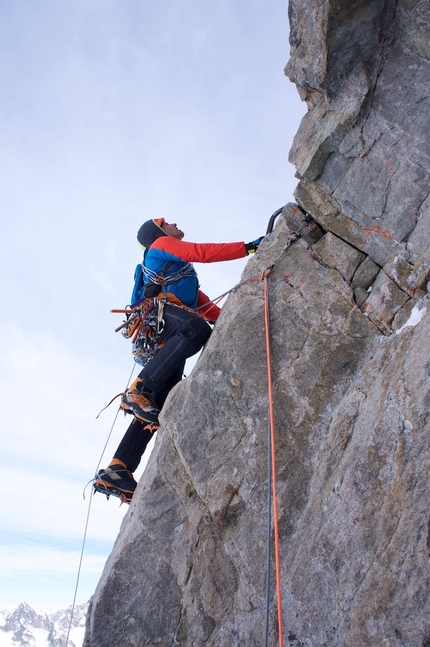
x=167 y=266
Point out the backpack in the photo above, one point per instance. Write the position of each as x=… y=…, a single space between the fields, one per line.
x=138 y=284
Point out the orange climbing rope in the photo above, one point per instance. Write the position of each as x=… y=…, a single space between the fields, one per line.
x=273 y=456
x=271 y=453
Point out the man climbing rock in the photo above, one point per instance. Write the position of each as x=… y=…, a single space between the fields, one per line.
x=167 y=268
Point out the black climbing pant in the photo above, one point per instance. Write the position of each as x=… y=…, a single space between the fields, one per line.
x=136 y=438
x=184 y=334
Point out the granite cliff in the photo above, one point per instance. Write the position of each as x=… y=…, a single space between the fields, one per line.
x=351 y=370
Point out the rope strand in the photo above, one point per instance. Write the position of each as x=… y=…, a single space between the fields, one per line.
x=269 y=524
x=271 y=424
x=224 y=294
x=88 y=519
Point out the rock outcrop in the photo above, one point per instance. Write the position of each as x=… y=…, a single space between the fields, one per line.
x=351 y=384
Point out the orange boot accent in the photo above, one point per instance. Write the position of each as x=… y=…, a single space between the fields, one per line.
x=116 y=461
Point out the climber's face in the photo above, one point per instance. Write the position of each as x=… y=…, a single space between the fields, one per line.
x=172 y=230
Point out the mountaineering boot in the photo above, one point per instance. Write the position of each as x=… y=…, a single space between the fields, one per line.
x=115 y=480
x=138 y=402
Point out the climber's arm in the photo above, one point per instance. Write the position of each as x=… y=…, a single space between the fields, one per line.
x=210 y=311
x=200 y=252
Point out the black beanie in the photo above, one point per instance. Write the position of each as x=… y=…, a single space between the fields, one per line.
x=150 y=231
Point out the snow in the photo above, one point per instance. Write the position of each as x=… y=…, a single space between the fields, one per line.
x=76 y=636
x=39 y=639
x=418 y=312
x=22 y=626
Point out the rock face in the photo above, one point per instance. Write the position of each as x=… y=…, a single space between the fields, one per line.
x=351 y=384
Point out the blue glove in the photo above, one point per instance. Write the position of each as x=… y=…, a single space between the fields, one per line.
x=252 y=246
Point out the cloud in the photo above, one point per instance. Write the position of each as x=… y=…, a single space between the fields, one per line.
x=46 y=576
x=44 y=560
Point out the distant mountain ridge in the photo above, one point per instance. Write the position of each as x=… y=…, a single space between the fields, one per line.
x=22 y=626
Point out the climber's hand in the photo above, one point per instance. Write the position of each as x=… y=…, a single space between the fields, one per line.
x=252 y=246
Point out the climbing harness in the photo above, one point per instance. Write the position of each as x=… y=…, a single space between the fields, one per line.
x=145 y=323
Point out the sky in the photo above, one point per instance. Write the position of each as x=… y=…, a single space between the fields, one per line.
x=113 y=112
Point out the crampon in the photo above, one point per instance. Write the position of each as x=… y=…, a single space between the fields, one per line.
x=108 y=491
x=115 y=480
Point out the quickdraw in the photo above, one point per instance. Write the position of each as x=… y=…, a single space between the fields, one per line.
x=143 y=326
